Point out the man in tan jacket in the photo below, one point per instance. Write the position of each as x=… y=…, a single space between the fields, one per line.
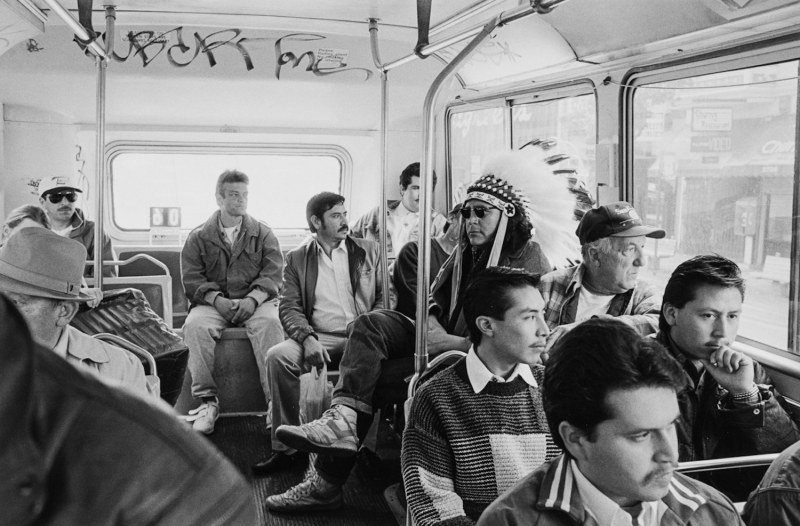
x=40 y=272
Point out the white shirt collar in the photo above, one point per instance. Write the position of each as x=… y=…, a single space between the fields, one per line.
x=340 y=248
x=479 y=375
x=604 y=510
x=401 y=210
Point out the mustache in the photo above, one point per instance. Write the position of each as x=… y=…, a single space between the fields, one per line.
x=660 y=472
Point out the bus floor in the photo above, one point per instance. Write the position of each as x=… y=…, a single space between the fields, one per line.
x=244 y=439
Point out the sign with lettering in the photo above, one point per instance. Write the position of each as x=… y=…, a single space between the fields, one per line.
x=710 y=143
x=712 y=119
x=165 y=216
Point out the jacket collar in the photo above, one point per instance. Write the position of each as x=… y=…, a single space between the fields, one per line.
x=83 y=347
x=559 y=491
x=77 y=220
x=211 y=231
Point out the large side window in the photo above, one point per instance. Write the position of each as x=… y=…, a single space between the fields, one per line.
x=570 y=121
x=476 y=134
x=714 y=165
x=281 y=182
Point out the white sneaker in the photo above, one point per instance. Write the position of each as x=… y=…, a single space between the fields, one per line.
x=204 y=417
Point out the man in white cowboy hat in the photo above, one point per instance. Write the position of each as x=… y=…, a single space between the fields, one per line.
x=40 y=272
x=58 y=196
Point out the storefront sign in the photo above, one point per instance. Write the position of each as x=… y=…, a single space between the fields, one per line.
x=712 y=119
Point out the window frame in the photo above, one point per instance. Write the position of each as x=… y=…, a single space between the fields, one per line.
x=783 y=49
x=116 y=148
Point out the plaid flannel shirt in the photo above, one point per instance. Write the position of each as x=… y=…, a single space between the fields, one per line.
x=639 y=307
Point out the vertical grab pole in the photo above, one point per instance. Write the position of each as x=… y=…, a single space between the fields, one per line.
x=376 y=59
x=426 y=176
x=100 y=153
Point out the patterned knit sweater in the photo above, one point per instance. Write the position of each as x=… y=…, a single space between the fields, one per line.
x=461 y=450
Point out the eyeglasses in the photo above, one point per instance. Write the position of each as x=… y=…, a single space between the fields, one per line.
x=480 y=211
x=57 y=198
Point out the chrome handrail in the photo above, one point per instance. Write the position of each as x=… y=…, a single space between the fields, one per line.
x=727 y=463
x=130 y=347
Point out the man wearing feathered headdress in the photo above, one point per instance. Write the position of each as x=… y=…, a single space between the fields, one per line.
x=518 y=191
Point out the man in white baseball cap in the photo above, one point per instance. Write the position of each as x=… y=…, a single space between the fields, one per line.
x=58 y=195
x=40 y=272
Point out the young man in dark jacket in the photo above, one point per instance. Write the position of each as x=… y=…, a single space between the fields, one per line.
x=231 y=268
x=729 y=407
x=610 y=396
x=328 y=281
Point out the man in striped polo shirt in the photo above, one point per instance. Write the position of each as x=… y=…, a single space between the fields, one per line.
x=477 y=427
x=610 y=396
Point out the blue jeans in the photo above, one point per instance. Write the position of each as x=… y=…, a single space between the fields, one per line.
x=374 y=337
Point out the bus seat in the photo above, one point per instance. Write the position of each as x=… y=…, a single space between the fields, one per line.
x=126 y=313
x=169 y=257
x=236 y=375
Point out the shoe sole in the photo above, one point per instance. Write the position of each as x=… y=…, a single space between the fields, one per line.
x=315 y=507
x=302 y=444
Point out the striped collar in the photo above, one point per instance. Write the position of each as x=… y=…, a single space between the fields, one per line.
x=559 y=491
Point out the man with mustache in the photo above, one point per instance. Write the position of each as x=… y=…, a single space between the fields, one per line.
x=58 y=196
x=402 y=216
x=605 y=284
x=729 y=407
x=328 y=281
x=496 y=228
x=231 y=267
x=493 y=392
x=610 y=396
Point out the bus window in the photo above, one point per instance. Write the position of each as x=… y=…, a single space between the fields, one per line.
x=714 y=159
x=280 y=184
x=475 y=136
x=571 y=121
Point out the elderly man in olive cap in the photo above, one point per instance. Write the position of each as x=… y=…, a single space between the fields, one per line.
x=606 y=283
x=40 y=272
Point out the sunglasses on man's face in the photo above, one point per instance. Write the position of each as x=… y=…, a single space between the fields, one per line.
x=57 y=198
x=480 y=211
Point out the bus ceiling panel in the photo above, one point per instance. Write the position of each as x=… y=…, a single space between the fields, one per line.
x=18 y=23
x=605 y=31
x=259 y=78
x=519 y=49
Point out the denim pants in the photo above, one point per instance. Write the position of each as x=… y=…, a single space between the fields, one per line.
x=202 y=330
x=374 y=337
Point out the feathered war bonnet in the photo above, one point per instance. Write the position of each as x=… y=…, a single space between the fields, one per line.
x=522 y=180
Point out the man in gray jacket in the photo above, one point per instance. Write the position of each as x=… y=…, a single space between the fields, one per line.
x=231 y=270
x=328 y=282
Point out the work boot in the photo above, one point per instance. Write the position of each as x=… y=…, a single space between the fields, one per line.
x=314 y=493
x=334 y=433
x=204 y=417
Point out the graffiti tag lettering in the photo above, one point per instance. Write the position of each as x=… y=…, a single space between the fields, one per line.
x=148 y=45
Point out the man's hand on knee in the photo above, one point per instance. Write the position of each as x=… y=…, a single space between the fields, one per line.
x=314 y=354
x=225 y=308
x=243 y=310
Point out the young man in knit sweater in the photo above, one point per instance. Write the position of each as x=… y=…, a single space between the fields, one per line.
x=477 y=427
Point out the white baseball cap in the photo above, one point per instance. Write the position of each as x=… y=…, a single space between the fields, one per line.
x=57 y=182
